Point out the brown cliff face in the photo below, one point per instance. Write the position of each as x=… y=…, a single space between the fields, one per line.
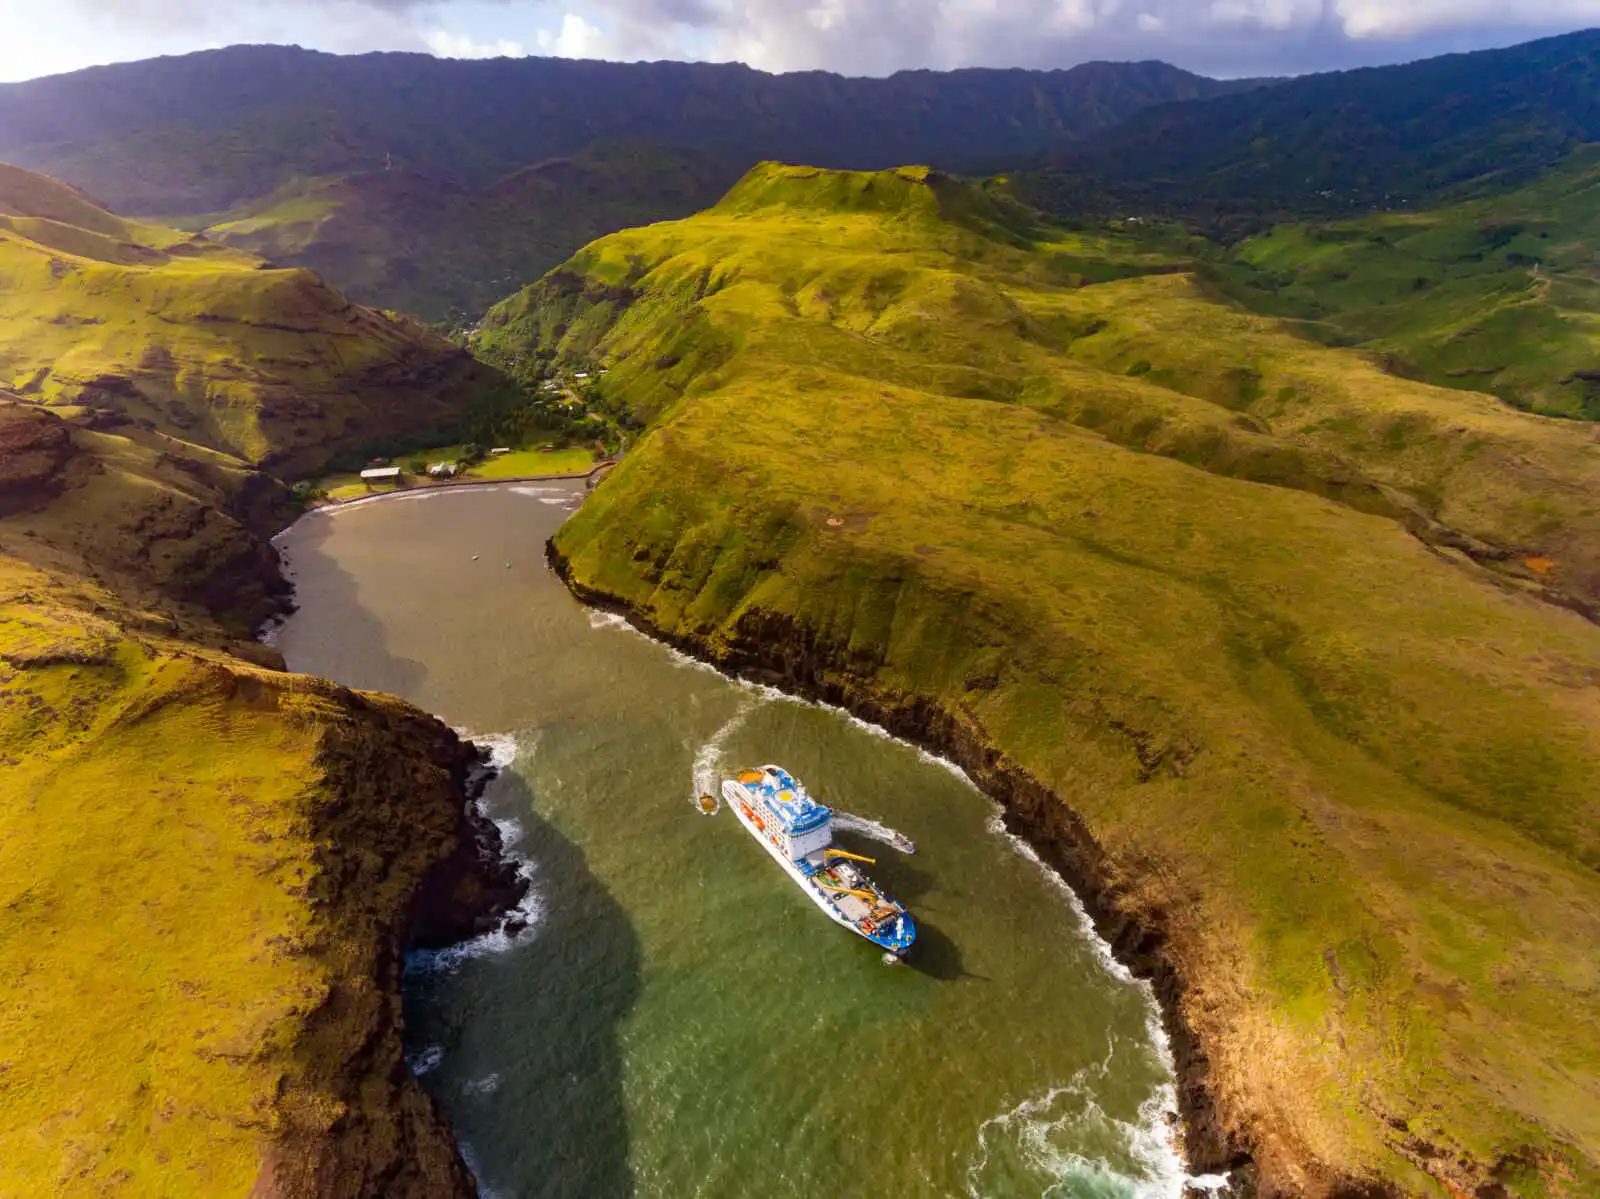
x=34 y=451
x=1219 y=1134
x=406 y=861
x=338 y=830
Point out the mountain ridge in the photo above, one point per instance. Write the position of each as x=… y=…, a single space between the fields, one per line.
x=160 y=137
x=1373 y=137
x=208 y=344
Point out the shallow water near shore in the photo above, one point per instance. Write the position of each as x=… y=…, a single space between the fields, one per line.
x=678 y=1019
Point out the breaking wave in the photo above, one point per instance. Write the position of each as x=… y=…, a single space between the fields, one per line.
x=1063 y=1144
x=1144 y=1161
x=504 y=749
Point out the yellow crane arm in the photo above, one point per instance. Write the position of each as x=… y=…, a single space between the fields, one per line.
x=867 y=895
x=854 y=857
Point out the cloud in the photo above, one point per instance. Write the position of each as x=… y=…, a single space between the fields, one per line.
x=1223 y=37
x=1388 y=19
x=576 y=39
x=459 y=45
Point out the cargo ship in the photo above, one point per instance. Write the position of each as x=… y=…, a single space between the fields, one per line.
x=798 y=832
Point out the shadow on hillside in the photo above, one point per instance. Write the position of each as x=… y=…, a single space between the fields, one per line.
x=530 y=1075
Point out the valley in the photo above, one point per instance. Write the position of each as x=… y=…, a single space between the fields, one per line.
x=1198 y=478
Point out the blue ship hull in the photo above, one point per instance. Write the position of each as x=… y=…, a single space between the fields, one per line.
x=797 y=832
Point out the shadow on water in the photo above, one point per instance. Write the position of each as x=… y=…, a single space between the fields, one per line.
x=348 y=643
x=935 y=954
x=531 y=1071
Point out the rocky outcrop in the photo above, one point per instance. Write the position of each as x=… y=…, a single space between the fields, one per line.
x=34 y=451
x=406 y=860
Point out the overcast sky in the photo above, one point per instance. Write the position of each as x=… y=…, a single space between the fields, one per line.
x=1219 y=37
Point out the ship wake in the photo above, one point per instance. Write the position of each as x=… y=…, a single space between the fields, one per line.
x=873 y=831
x=711 y=759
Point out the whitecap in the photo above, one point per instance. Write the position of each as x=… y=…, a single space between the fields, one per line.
x=504 y=749
x=486 y=1085
x=470 y=1156
x=1154 y=1126
x=425 y=1060
x=1067 y=1142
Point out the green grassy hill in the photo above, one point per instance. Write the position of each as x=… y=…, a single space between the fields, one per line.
x=439 y=248
x=1285 y=634
x=209 y=869
x=1499 y=295
x=202 y=342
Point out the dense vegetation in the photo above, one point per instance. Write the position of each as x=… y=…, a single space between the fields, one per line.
x=182 y=335
x=207 y=132
x=1278 y=627
x=1498 y=295
x=429 y=244
x=1341 y=142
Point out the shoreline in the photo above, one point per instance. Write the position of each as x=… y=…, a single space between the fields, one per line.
x=467 y=894
x=452 y=484
x=1064 y=845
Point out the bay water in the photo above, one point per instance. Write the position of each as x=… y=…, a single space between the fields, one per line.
x=677 y=1019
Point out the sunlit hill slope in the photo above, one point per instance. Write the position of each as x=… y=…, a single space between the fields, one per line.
x=209 y=869
x=190 y=338
x=1293 y=639
x=1499 y=295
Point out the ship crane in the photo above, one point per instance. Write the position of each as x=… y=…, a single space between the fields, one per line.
x=854 y=857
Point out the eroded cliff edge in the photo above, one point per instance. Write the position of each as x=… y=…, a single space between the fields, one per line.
x=210 y=869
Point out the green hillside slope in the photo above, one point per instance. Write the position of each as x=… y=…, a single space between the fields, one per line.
x=1499 y=295
x=201 y=342
x=430 y=244
x=1260 y=639
x=209 y=869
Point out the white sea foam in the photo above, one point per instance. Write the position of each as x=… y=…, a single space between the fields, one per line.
x=1151 y=1135
x=541 y=492
x=487 y=1085
x=425 y=1060
x=504 y=749
x=1164 y=1104
x=1064 y=1137
x=470 y=1156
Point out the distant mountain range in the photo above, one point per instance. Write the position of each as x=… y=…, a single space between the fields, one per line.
x=209 y=131
x=437 y=187
x=1345 y=141
x=431 y=244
